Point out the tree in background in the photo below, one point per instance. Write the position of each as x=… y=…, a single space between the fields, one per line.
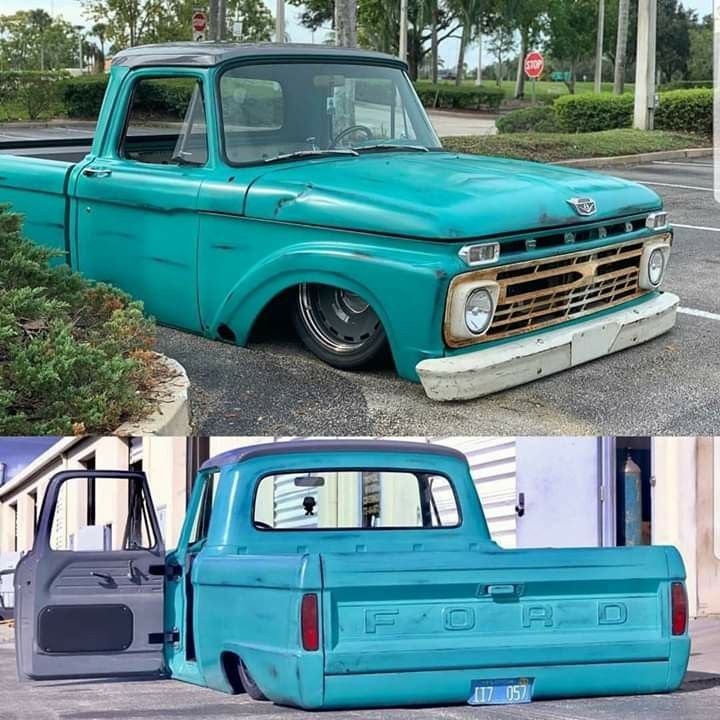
x=524 y=16
x=258 y=24
x=621 y=46
x=501 y=44
x=32 y=40
x=570 y=31
x=470 y=14
x=700 y=62
x=99 y=30
x=673 y=39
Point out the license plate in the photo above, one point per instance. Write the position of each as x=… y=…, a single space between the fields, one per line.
x=504 y=691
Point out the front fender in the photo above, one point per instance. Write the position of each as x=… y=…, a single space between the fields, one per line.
x=404 y=281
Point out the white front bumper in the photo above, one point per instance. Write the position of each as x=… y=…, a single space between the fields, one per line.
x=489 y=370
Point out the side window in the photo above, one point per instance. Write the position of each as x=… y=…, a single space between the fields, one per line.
x=166 y=123
x=114 y=525
x=201 y=521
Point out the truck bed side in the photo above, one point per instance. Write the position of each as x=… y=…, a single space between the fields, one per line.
x=37 y=188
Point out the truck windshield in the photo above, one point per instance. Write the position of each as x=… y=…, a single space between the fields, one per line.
x=357 y=499
x=280 y=111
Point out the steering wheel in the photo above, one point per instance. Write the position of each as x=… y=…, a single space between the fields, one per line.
x=262 y=525
x=350 y=130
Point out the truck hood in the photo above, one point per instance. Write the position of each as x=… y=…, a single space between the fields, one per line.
x=438 y=195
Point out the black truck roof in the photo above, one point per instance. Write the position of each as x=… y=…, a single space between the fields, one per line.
x=231 y=457
x=208 y=54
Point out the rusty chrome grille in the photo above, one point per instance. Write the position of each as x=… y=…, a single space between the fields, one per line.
x=540 y=293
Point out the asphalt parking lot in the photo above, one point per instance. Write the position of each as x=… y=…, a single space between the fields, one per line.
x=698 y=699
x=669 y=385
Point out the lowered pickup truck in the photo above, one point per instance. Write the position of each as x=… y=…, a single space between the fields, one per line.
x=339 y=574
x=224 y=178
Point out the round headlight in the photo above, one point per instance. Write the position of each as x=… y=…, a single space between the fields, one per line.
x=478 y=311
x=656 y=266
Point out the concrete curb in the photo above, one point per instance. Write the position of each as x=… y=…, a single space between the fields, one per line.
x=58 y=123
x=620 y=160
x=172 y=417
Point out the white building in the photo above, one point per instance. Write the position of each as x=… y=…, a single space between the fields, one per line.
x=536 y=492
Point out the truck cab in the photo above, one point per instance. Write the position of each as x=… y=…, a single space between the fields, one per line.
x=226 y=179
x=341 y=574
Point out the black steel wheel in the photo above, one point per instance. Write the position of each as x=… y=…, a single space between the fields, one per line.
x=338 y=326
x=249 y=684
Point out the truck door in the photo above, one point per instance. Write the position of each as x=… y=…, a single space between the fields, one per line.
x=95 y=610
x=136 y=202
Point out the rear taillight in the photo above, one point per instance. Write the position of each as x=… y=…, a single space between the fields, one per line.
x=309 y=629
x=679 y=608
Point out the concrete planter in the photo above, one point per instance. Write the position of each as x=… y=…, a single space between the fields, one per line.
x=172 y=415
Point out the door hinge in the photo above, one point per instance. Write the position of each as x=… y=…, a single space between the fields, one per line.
x=163 y=638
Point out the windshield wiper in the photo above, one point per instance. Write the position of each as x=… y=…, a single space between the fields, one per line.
x=391 y=146
x=311 y=153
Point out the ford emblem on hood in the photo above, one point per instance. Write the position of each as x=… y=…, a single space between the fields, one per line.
x=583 y=206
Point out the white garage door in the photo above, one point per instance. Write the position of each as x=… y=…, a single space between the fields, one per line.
x=492 y=465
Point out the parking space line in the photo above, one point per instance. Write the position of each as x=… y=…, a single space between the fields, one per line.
x=699 y=313
x=696 y=227
x=672 y=185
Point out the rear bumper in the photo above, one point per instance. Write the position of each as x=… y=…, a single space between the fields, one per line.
x=453 y=687
x=489 y=370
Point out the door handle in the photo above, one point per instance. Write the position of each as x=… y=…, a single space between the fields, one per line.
x=503 y=590
x=97 y=172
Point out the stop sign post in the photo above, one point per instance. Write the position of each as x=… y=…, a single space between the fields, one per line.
x=534 y=66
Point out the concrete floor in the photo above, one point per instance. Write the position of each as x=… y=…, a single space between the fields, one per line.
x=457 y=123
x=698 y=699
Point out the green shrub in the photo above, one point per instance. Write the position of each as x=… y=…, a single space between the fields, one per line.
x=685 y=85
x=533 y=119
x=74 y=357
x=462 y=97
x=686 y=111
x=591 y=112
x=36 y=92
x=83 y=96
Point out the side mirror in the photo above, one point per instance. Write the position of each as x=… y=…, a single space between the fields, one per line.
x=309 y=481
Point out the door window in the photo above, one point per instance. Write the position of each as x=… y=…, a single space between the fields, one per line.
x=201 y=521
x=120 y=503
x=166 y=123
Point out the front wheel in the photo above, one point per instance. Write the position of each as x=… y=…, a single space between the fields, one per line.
x=338 y=326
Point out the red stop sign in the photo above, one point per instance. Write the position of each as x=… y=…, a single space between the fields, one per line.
x=199 y=21
x=534 y=64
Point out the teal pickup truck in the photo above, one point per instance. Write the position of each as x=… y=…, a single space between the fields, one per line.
x=340 y=574
x=224 y=180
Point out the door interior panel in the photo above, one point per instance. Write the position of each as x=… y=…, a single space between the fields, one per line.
x=92 y=613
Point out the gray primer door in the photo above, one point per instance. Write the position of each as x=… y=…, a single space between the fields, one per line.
x=92 y=613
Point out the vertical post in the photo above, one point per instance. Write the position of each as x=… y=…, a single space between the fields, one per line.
x=645 y=65
x=478 y=80
x=402 y=45
x=280 y=21
x=534 y=80
x=599 y=46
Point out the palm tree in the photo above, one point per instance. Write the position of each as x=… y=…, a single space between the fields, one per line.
x=621 y=47
x=41 y=21
x=469 y=12
x=99 y=30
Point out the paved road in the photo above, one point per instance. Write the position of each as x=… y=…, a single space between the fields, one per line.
x=458 y=123
x=698 y=699
x=669 y=385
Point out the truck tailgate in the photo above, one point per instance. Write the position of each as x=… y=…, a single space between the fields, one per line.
x=429 y=610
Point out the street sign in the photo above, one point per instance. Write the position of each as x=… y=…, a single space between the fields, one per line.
x=199 y=24
x=534 y=64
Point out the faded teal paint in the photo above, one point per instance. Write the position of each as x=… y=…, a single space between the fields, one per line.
x=581 y=621
x=210 y=246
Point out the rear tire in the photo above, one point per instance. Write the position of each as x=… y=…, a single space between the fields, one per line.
x=338 y=326
x=249 y=684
